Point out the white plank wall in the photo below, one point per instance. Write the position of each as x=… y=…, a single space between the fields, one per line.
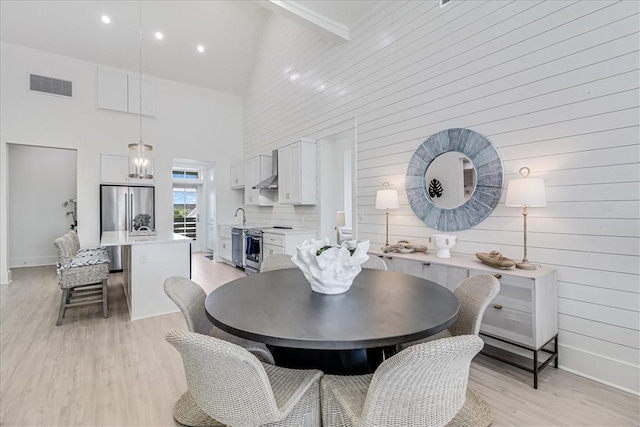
x=554 y=85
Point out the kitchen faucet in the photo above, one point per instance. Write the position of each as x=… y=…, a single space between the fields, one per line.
x=244 y=218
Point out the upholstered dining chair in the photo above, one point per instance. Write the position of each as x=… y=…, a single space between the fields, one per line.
x=474 y=293
x=276 y=262
x=82 y=274
x=424 y=385
x=375 y=263
x=190 y=297
x=228 y=386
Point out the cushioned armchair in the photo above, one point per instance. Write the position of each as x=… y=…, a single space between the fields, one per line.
x=424 y=385
x=190 y=297
x=227 y=385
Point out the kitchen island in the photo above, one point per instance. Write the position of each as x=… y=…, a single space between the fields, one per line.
x=147 y=261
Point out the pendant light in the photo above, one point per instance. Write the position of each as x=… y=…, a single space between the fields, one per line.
x=140 y=154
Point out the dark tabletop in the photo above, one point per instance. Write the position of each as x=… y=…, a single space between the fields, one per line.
x=382 y=308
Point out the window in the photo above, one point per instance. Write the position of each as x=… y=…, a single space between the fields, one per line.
x=184 y=173
x=185 y=210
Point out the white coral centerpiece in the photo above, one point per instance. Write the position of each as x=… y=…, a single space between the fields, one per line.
x=333 y=270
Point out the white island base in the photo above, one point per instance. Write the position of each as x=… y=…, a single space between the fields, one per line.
x=147 y=261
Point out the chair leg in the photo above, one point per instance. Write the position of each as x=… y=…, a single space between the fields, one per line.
x=105 y=308
x=63 y=306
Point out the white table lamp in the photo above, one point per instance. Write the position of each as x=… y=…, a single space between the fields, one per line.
x=526 y=192
x=387 y=199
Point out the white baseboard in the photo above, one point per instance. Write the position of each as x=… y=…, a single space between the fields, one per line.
x=32 y=261
x=621 y=375
x=5 y=277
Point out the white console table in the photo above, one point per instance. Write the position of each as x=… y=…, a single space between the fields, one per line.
x=147 y=261
x=519 y=324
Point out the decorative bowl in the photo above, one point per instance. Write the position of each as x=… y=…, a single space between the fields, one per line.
x=333 y=270
x=495 y=259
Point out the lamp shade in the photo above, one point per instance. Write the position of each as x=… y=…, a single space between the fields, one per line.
x=526 y=192
x=340 y=220
x=387 y=199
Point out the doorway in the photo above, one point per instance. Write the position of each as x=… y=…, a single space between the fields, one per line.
x=192 y=192
x=42 y=188
x=337 y=190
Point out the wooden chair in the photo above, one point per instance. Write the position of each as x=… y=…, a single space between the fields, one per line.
x=82 y=274
x=424 y=385
x=228 y=386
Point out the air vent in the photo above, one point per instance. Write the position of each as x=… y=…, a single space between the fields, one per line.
x=444 y=2
x=50 y=85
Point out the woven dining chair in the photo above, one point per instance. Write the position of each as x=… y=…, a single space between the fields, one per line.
x=375 y=263
x=228 y=386
x=424 y=385
x=276 y=262
x=474 y=293
x=190 y=297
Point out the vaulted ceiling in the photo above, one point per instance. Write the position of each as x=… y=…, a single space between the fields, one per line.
x=229 y=31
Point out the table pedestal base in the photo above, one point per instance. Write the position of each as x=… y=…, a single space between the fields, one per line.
x=333 y=362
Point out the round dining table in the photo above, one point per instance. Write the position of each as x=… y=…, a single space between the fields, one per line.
x=380 y=310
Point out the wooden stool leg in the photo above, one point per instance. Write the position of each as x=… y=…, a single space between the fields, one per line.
x=63 y=306
x=105 y=308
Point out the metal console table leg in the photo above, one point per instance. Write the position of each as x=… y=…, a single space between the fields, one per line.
x=520 y=361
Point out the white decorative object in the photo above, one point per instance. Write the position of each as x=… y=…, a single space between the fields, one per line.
x=333 y=271
x=443 y=243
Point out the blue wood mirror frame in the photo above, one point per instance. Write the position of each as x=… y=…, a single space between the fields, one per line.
x=489 y=173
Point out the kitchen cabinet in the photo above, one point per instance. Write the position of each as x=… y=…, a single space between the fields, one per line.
x=278 y=241
x=120 y=91
x=237 y=176
x=224 y=243
x=257 y=169
x=519 y=323
x=115 y=170
x=297 y=169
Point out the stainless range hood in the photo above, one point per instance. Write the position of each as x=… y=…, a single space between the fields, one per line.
x=270 y=183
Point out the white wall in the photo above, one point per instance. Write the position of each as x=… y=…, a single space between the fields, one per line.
x=554 y=85
x=40 y=180
x=190 y=123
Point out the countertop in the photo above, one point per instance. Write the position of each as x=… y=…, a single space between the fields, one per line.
x=286 y=231
x=120 y=238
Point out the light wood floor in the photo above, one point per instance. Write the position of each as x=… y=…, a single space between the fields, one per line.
x=93 y=371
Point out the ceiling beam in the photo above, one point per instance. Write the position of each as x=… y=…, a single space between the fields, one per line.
x=309 y=18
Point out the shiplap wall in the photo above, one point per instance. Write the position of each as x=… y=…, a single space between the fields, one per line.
x=554 y=85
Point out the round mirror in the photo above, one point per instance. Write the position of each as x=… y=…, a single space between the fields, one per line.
x=472 y=174
x=450 y=180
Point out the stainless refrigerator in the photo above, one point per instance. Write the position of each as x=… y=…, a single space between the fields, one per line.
x=119 y=205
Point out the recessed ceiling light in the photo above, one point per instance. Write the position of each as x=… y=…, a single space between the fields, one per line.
x=294 y=76
x=106 y=19
x=159 y=35
x=200 y=48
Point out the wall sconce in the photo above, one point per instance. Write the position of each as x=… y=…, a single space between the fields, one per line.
x=526 y=192
x=387 y=199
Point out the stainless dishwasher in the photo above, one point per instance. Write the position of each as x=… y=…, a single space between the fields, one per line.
x=237 y=247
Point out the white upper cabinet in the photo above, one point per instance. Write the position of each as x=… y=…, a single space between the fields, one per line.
x=297 y=173
x=120 y=91
x=257 y=169
x=112 y=90
x=237 y=175
x=115 y=170
x=148 y=95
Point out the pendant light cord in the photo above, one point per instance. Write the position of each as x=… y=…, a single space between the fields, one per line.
x=140 y=66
